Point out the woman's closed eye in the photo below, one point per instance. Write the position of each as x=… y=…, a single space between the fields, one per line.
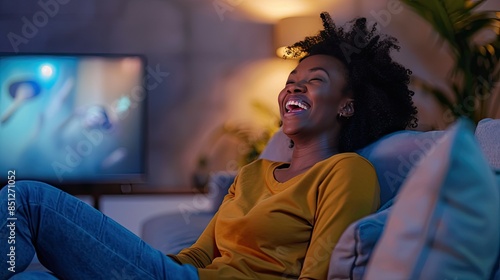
x=316 y=79
x=289 y=82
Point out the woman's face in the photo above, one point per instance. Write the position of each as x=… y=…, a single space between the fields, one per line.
x=313 y=96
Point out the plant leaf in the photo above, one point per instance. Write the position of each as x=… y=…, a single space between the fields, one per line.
x=435 y=13
x=468 y=26
x=477 y=67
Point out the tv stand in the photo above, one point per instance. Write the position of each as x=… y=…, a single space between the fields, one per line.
x=97 y=191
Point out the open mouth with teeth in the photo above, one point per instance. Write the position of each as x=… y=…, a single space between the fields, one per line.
x=294 y=106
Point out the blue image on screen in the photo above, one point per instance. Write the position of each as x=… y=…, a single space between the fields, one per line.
x=72 y=119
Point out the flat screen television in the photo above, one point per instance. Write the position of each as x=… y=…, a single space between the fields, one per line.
x=71 y=119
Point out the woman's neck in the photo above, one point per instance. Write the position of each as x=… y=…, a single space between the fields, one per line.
x=303 y=158
x=306 y=157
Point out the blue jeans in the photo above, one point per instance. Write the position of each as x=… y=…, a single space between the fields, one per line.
x=73 y=240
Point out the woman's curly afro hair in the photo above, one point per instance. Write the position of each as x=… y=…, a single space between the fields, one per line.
x=379 y=86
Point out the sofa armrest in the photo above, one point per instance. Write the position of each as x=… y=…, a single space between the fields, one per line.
x=170 y=233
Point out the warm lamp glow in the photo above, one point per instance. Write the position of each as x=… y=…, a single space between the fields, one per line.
x=280 y=52
x=293 y=29
x=270 y=11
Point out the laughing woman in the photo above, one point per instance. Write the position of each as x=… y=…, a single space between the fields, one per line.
x=278 y=220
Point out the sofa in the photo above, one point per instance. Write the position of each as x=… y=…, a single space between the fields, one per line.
x=439 y=214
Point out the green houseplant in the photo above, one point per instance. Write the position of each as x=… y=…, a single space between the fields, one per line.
x=473 y=36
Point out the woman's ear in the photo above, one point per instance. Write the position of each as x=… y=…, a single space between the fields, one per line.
x=347 y=109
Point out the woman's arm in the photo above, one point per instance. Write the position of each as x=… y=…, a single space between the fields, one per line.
x=204 y=250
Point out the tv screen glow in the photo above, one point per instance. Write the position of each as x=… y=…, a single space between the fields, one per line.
x=68 y=119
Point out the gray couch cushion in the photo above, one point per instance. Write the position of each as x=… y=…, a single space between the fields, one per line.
x=173 y=232
x=394 y=155
x=351 y=255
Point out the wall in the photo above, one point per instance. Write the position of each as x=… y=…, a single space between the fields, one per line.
x=190 y=47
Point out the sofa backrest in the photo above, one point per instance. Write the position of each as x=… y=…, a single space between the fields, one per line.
x=278 y=148
x=395 y=154
x=392 y=156
x=488 y=136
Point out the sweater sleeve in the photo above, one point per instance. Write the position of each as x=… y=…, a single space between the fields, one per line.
x=204 y=250
x=349 y=193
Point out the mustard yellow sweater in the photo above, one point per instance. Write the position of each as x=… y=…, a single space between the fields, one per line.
x=265 y=229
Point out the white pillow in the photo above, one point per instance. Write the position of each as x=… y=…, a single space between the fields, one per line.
x=278 y=148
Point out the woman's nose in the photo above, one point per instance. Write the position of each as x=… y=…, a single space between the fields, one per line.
x=297 y=88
